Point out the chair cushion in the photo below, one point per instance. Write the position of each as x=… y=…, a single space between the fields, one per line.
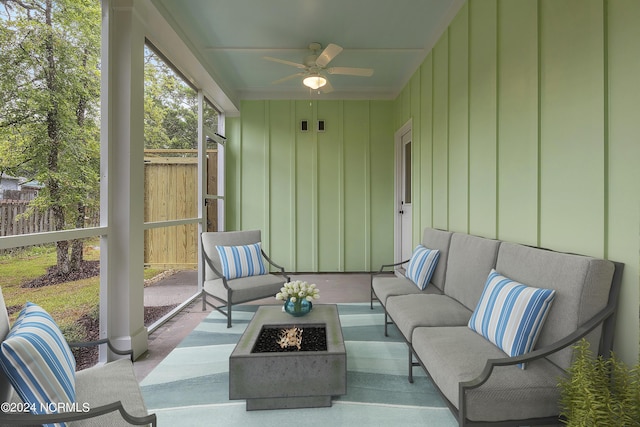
x=241 y=261
x=421 y=266
x=38 y=361
x=247 y=288
x=116 y=382
x=510 y=314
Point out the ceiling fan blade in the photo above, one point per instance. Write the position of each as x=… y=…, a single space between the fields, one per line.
x=293 y=76
x=327 y=88
x=329 y=52
x=282 y=61
x=350 y=71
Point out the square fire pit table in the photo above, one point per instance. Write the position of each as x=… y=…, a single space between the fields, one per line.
x=289 y=379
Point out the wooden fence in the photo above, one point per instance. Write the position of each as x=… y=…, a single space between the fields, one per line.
x=171 y=189
x=171 y=192
x=13 y=220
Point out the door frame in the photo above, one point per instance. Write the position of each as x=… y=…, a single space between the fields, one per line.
x=397 y=195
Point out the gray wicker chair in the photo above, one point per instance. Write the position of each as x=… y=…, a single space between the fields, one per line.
x=239 y=290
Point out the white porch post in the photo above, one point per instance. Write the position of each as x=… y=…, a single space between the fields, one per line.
x=122 y=173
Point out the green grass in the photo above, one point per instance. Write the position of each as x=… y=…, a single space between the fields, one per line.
x=66 y=302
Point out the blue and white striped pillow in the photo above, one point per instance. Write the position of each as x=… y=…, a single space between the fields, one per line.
x=510 y=314
x=241 y=261
x=421 y=266
x=38 y=361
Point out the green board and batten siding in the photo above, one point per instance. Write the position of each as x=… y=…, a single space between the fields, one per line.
x=322 y=199
x=525 y=128
x=529 y=132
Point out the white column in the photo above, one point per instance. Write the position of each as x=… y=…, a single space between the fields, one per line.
x=122 y=177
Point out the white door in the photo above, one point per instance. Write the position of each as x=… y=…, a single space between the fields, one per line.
x=404 y=204
x=402 y=215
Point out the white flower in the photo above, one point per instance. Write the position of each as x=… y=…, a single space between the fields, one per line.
x=298 y=290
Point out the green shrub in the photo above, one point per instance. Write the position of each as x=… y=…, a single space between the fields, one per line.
x=600 y=392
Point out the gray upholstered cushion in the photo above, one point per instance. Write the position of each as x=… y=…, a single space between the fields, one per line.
x=438 y=239
x=6 y=390
x=456 y=354
x=582 y=287
x=224 y=238
x=471 y=259
x=387 y=285
x=411 y=311
x=112 y=382
x=247 y=288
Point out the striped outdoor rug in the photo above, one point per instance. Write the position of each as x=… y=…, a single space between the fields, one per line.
x=191 y=386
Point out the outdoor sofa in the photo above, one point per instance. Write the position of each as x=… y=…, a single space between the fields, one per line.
x=104 y=395
x=481 y=383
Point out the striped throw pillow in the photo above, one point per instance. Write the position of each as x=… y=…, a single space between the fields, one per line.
x=241 y=261
x=421 y=266
x=510 y=314
x=38 y=361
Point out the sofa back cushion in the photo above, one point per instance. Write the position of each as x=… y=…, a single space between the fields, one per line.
x=582 y=286
x=470 y=261
x=440 y=240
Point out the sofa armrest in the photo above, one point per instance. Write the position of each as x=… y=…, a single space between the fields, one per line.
x=32 y=419
x=382 y=267
x=570 y=339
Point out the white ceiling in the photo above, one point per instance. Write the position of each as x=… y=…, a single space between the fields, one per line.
x=231 y=37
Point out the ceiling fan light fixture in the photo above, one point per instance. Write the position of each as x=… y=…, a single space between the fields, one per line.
x=314 y=82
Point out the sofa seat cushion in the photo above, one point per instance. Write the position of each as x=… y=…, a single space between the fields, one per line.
x=108 y=383
x=387 y=285
x=411 y=311
x=246 y=288
x=457 y=354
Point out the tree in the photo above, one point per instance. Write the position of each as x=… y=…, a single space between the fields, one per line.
x=49 y=105
x=170 y=107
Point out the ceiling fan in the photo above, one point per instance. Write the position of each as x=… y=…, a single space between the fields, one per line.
x=314 y=68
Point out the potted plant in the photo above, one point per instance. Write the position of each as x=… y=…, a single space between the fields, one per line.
x=599 y=391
